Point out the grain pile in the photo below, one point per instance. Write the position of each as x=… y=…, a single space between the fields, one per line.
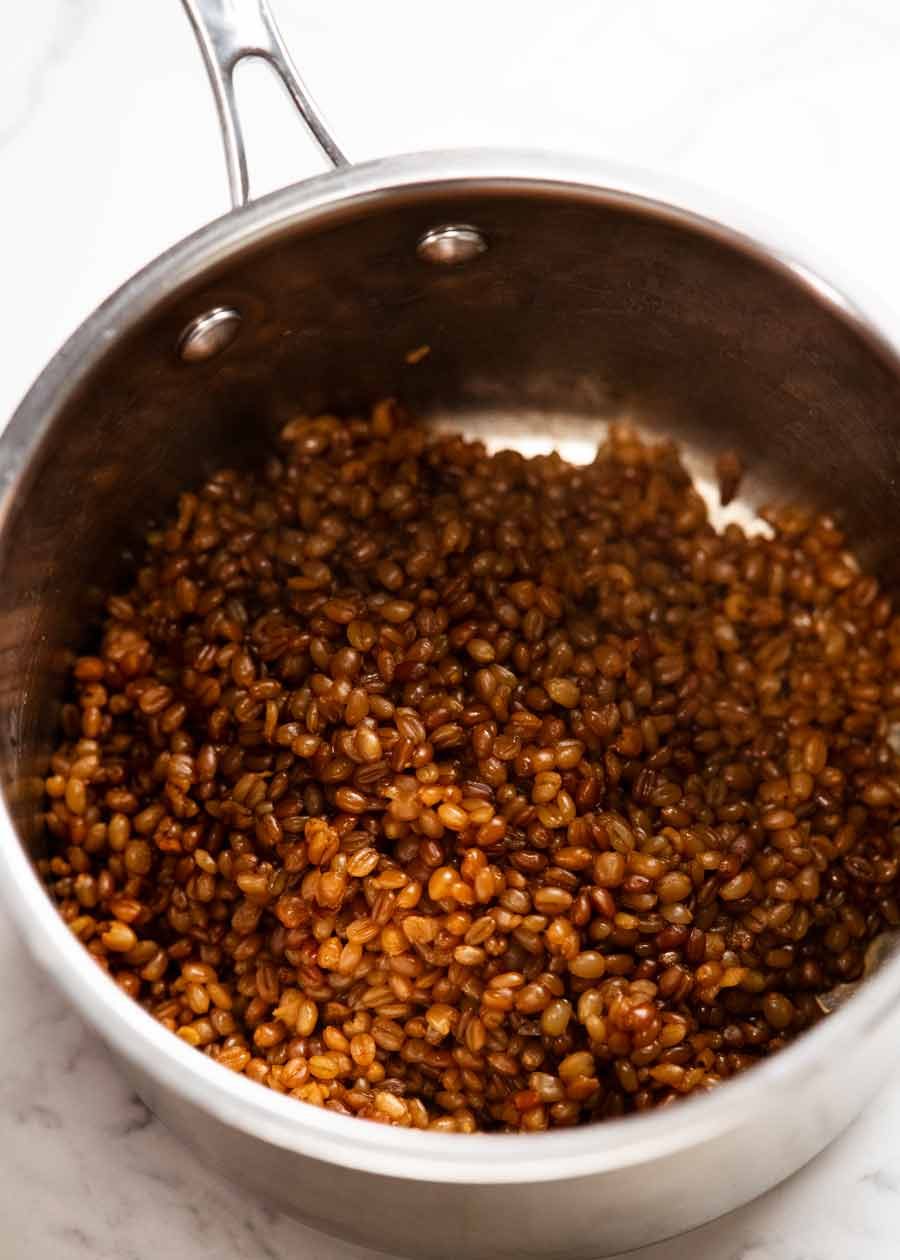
x=465 y=792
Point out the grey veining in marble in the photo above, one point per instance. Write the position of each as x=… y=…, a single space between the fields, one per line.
x=108 y=152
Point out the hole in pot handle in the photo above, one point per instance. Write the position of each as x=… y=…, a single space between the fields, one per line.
x=228 y=31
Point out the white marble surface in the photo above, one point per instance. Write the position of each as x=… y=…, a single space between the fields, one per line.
x=108 y=152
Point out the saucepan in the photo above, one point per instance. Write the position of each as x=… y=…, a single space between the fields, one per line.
x=554 y=294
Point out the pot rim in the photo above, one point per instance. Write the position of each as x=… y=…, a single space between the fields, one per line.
x=126 y=1027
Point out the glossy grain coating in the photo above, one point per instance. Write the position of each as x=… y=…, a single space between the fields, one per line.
x=461 y=791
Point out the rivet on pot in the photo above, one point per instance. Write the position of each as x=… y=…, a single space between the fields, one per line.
x=451 y=244
x=208 y=335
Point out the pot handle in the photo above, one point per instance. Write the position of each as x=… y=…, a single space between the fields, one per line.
x=229 y=31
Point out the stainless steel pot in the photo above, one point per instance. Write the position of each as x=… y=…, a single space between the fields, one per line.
x=554 y=294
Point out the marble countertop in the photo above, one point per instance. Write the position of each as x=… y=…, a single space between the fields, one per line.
x=109 y=152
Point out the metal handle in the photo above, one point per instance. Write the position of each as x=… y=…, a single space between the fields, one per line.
x=227 y=32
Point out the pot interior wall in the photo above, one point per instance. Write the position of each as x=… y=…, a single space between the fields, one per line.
x=585 y=308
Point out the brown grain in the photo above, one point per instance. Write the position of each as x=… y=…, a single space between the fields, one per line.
x=475 y=792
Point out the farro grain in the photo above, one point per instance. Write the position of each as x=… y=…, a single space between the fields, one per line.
x=464 y=791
